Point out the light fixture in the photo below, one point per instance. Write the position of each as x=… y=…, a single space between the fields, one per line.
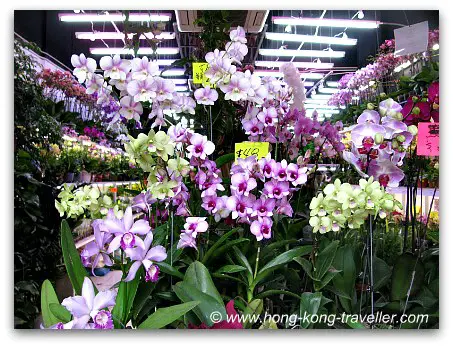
x=320 y=97
x=76 y=11
x=173 y=72
x=119 y=36
x=345 y=37
x=177 y=80
x=332 y=84
x=116 y=17
x=313 y=92
x=436 y=47
x=301 y=53
x=142 y=50
x=317 y=106
x=322 y=110
x=316 y=101
x=307 y=84
x=306 y=75
x=360 y=14
x=288 y=29
x=328 y=90
x=325 y=22
x=306 y=65
x=181 y=89
x=345 y=41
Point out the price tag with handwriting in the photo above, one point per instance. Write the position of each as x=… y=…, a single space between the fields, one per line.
x=198 y=70
x=428 y=139
x=248 y=148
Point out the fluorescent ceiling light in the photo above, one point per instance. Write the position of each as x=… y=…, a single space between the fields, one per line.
x=143 y=50
x=324 y=22
x=317 y=106
x=316 y=101
x=173 y=72
x=307 y=75
x=114 y=17
x=119 y=36
x=178 y=80
x=311 y=38
x=298 y=64
x=302 y=53
x=332 y=84
x=328 y=90
x=181 y=89
x=320 y=97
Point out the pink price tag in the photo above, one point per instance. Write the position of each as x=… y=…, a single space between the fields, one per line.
x=428 y=139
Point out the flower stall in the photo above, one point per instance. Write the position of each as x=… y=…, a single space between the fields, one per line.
x=168 y=220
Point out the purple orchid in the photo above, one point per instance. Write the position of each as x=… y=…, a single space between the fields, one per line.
x=200 y=147
x=389 y=108
x=94 y=83
x=222 y=209
x=240 y=205
x=236 y=50
x=241 y=184
x=164 y=88
x=143 y=68
x=238 y=35
x=236 y=89
x=296 y=175
x=186 y=240
x=130 y=109
x=262 y=228
x=284 y=207
x=84 y=67
x=268 y=116
x=263 y=207
x=146 y=257
x=90 y=306
x=206 y=95
x=387 y=173
x=369 y=116
x=195 y=225
x=279 y=170
x=253 y=127
x=267 y=165
x=142 y=90
x=143 y=201
x=210 y=203
x=276 y=189
x=126 y=231
x=115 y=68
x=98 y=247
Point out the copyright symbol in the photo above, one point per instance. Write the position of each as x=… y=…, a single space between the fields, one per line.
x=215 y=317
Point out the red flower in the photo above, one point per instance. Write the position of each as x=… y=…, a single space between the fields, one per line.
x=232 y=315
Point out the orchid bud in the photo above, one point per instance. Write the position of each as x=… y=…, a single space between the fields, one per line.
x=414 y=99
x=378 y=138
x=424 y=100
x=416 y=110
x=370 y=106
x=388 y=205
x=412 y=129
x=395 y=144
x=300 y=160
x=398 y=116
x=382 y=95
x=401 y=138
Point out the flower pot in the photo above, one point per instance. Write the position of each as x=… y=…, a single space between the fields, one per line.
x=84 y=177
x=69 y=177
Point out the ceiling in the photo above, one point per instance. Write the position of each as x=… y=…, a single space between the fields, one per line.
x=61 y=38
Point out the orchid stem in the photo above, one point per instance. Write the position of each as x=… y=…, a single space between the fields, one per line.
x=257 y=261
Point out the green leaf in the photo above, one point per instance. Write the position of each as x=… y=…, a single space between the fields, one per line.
x=276 y=292
x=329 y=275
x=198 y=276
x=324 y=260
x=382 y=273
x=306 y=265
x=406 y=267
x=244 y=262
x=74 y=267
x=60 y=312
x=48 y=297
x=224 y=159
x=286 y=257
x=350 y=321
x=164 y=316
x=309 y=306
x=229 y=269
x=170 y=270
x=219 y=242
x=125 y=299
x=234 y=243
x=345 y=282
x=187 y=292
x=253 y=309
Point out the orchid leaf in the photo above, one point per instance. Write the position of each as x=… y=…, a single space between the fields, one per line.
x=48 y=297
x=324 y=260
x=216 y=245
x=187 y=293
x=164 y=316
x=225 y=159
x=309 y=306
x=170 y=270
x=74 y=267
x=229 y=269
x=125 y=299
x=286 y=257
x=60 y=312
x=198 y=276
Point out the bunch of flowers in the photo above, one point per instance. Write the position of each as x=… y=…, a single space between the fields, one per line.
x=379 y=143
x=137 y=81
x=86 y=200
x=356 y=84
x=342 y=205
x=422 y=109
x=261 y=189
x=93 y=132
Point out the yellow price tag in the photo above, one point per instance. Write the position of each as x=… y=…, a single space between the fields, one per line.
x=198 y=70
x=248 y=148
